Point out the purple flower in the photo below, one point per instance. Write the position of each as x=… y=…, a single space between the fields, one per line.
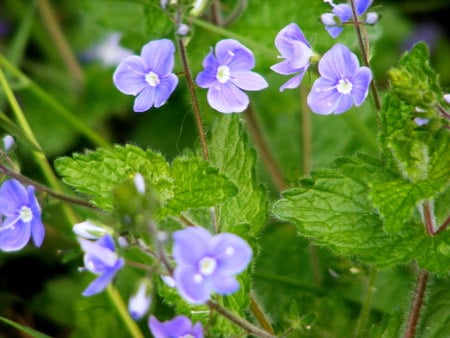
x=226 y=72
x=149 y=77
x=296 y=50
x=344 y=13
x=101 y=259
x=139 y=303
x=342 y=83
x=22 y=216
x=178 y=327
x=207 y=263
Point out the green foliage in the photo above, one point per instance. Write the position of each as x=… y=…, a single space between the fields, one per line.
x=23 y=328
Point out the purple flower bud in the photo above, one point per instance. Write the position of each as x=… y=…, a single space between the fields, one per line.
x=179 y=326
x=139 y=183
x=139 y=303
x=183 y=29
x=8 y=142
x=372 y=18
x=420 y=121
x=328 y=19
x=88 y=230
x=20 y=216
x=447 y=98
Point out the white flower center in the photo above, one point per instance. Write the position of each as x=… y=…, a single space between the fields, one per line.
x=223 y=74
x=344 y=86
x=207 y=266
x=152 y=79
x=25 y=214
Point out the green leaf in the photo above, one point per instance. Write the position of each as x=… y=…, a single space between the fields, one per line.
x=27 y=330
x=231 y=152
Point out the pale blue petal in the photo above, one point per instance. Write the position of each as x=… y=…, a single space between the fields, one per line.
x=206 y=78
x=284 y=68
x=293 y=82
x=227 y=98
x=323 y=97
x=232 y=53
x=248 y=80
x=158 y=55
x=177 y=327
x=302 y=54
x=361 y=83
x=94 y=250
x=190 y=245
x=197 y=330
x=145 y=99
x=343 y=11
x=13 y=196
x=165 y=89
x=338 y=63
x=362 y=6
x=224 y=285
x=100 y=283
x=231 y=253
x=129 y=76
x=37 y=231
x=334 y=31
x=285 y=37
x=344 y=103
x=192 y=290
x=14 y=238
x=210 y=63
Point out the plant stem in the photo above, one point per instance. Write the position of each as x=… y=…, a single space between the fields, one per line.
x=191 y=89
x=418 y=300
x=364 y=53
x=242 y=323
x=121 y=308
x=260 y=315
x=444 y=225
x=160 y=250
x=306 y=132
x=428 y=218
x=365 y=310
x=266 y=156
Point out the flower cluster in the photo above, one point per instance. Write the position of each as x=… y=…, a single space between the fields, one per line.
x=20 y=216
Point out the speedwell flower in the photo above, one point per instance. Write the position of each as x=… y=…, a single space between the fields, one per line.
x=345 y=14
x=342 y=83
x=101 y=259
x=296 y=50
x=207 y=263
x=178 y=327
x=227 y=70
x=149 y=77
x=22 y=216
x=139 y=303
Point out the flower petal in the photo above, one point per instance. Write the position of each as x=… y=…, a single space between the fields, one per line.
x=98 y=251
x=100 y=283
x=227 y=98
x=13 y=196
x=231 y=252
x=145 y=99
x=129 y=76
x=334 y=31
x=285 y=37
x=293 y=82
x=302 y=54
x=284 y=68
x=192 y=286
x=224 y=285
x=362 y=6
x=165 y=89
x=323 y=97
x=190 y=245
x=14 y=238
x=361 y=82
x=177 y=327
x=235 y=55
x=206 y=78
x=345 y=102
x=343 y=11
x=338 y=63
x=248 y=80
x=158 y=55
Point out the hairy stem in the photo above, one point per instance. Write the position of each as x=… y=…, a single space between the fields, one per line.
x=428 y=217
x=364 y=53
x=193 y=95
x=266 y=156
x=444 y=225
x=365 y=310
x=418 y=300
x=242 y=323
x=160 y=250
x=260 y=315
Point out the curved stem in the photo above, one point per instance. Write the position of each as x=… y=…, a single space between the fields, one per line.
x=248 y=327
x=444 y=225
x=365 y=310
x=260 y=315
x=191 y=89
x=418 y=300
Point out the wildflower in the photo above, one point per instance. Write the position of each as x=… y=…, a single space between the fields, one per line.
x=8 y=142
x=226 y=72
x=344 y=13
x=296 y=50
x=207 y=263
x=22 y=216
x=108 y=51
x=101 y=259
x=180 y=326
x=149 y=77
x=342 y=82
x=139 y=303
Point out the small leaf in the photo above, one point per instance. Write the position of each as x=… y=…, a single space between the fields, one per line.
x=27 y=330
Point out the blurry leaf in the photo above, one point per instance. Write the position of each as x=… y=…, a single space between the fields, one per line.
x=27 y=330
x=435 y=322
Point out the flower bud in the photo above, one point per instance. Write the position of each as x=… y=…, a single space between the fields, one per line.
x=8 y=142
x=139 y=303
x=328 y=19
x=447 y=98
x=89 y=230
x=372 y=18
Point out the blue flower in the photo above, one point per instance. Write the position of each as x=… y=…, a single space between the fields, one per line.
x=344 y=13
x=296 y=50
x=207 y=263
x=149 y=77
x=342 y=83
x=101 y=259
x=22 y=216
x=178 y=327
x=226 y=72
x=139 y=303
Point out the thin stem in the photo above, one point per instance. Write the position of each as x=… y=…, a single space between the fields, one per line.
x=260 y=315
x=418 y=300
x=365 y=310
x=160 y=250
x=444 y=225
x=428 y=218
x=53 y=28
x=43 y=188
x=266 y=156
x=306 y=132
x=122 y=311
x=191 y=88
x=364 y=53
x=242 y=323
